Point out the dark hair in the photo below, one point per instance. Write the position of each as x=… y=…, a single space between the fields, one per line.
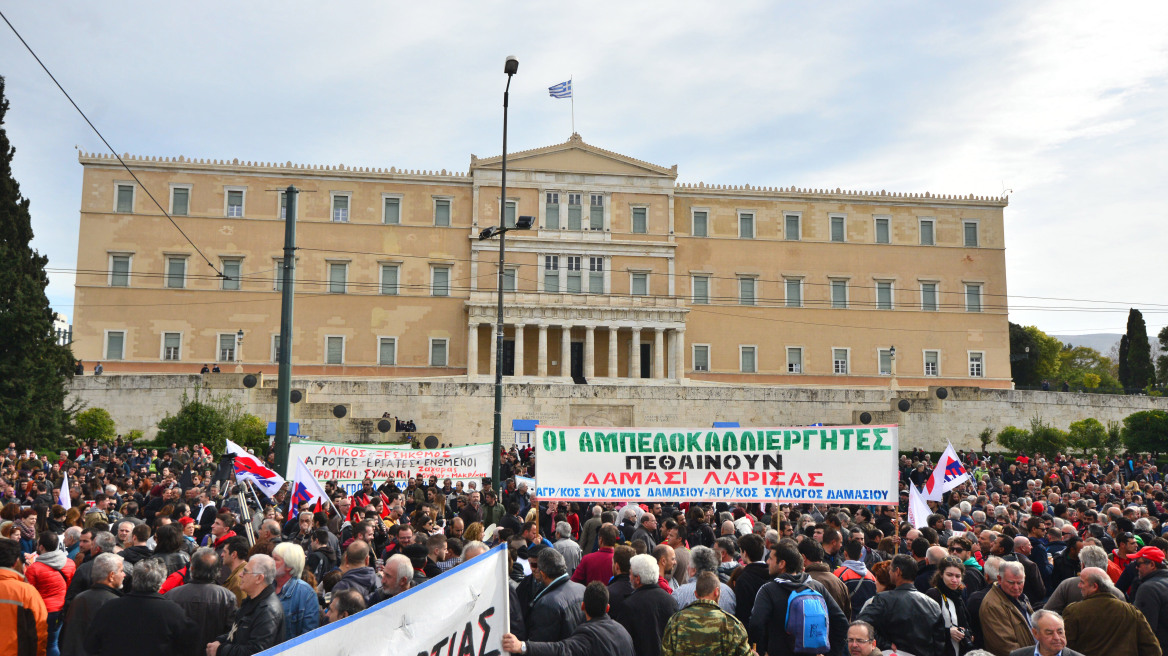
x=811 y=550
x=595 y=599
x=349 y=602
x=705 y=585
x=622 y=555
x=204 y=566
x=854 y=549
x=728 y=545
x=169 y=539
x=237 y=545
x=607 y=535
x=920 y=546
x=905 y=566
x=141 y=532
x=938 y=580
x=320 y=535
x=830 y=535
x=753 y=546
x=48 y=540
x=227 y=519
x=785 y=553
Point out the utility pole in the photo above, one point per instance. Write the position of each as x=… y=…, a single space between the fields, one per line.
x=288 y=279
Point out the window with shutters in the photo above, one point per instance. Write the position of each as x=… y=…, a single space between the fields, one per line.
x=509 y=277
x=639 y=284
x=883 y=295
x=640 y=220
x=792 y=227
x=747 y=359
x=596 y=212
x=391 y=209
x=124 y=201
x=969 y=229
x=340 y=207
x=226 y=347
x=440 y=280
x=276 y=347
x=115 y=345
x=438 y=356
x=387 y=351
x=839 y=228
x=389 y=278
x=171 y=346
x=552 y=210
x=884 y=361
x=334 y=349
x=574 y=211
x=176 y=272
x=283 y=205
x=232 y=271
x=701 y=226
x=794 y=292
x=839 y=361
x=883 y=230
x=442 y=212
x=976 y=364
x=972 y=297
x=338 y=275
x=551 y=273
x=746 y=295
x=575 y=277
x=512 y=208
x=746 y=225
x=927 y=236
x=596 y=275
x=119 y=270
x=932 y=363
x=929 y=296
x=701 y=357
x=701 y=290
x=234 y=202
x=180 y=200
x=794 y=359
x=839 y=294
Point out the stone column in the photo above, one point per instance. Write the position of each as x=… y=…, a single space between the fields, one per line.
x=612 y=352
x=635 y=354
x=472 y=351
x=494 y=349
x=679 y=345
x=589 y=352
x=566 y=351
x=519 y=348
x=542 y=358
x=659 y=353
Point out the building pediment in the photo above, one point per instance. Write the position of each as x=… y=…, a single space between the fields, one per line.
x=574 y=156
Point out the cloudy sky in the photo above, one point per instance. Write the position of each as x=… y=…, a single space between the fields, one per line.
x=1064 y=103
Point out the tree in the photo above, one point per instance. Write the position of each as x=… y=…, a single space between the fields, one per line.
x=1046 y=439
x=34 y=368
x=1014 y=439
x=1087 y=436
x=1046 y=366
x=1146 y=431
x=1124 y=371
x=1139 y=352
x=1023 y=357
x=1162 y=359
x=94 y=424
x=1083 y=366
x=986 y=436
x=196 y=422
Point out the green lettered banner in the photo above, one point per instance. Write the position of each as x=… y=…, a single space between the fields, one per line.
x=821 y=464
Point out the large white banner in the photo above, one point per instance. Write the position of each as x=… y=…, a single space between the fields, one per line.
x=463 y=611
x=820 y=464
x=349 y=464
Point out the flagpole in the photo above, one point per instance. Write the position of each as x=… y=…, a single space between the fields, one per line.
x=573 y=97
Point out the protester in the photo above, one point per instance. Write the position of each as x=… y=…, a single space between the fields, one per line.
x=344 y=604
x=1049 y=636
x=1005 y=612
x=947 y=589
x=24 y=620
x=301 y=610
x=156 y=625
x=210 y=606
x=768 y=619
x=1102 y=624
x=702 y=628
x=648 y=609
x=903 y=616
x=597 y=635
x=555 y=610
x=260 y=621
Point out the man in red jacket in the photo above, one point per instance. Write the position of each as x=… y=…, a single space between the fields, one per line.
x=50 y=574
x=597 y=566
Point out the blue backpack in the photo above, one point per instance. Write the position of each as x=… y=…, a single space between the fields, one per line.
x=807 y=621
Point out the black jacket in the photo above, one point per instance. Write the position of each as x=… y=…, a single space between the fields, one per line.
x=259 y=625
x=644 y=615
x=1064 y=568
x=555 y=611
x=600 y=636
x=142 y=622
x=908 y=618
x=958 y=600
x=768 y=618
x=1152 y=600
x=1034 y=588
x=211 y=607
x=136 y=553
x=619 y=589
x=752 y=577
x=80 y=616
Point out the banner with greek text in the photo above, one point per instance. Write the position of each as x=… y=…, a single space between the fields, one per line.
x=822 y=464
x=349 y=464
x=462 y=611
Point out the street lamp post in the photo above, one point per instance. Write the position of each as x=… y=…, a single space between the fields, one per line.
x=892 y=367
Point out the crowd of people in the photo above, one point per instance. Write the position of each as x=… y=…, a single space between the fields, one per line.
x=153 y=553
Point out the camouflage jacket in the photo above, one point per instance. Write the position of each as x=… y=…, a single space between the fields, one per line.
x=704 y=629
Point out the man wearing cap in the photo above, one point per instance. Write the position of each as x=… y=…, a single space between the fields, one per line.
x=1102 y=624
x=1152 y=594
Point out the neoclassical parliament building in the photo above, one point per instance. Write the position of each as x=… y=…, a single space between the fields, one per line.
x=627 y=276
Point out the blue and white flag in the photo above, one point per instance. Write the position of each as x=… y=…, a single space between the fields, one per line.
x=64 y=496
x=561 y=90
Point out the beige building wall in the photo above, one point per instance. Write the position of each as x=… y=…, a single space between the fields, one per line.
x=363 y=225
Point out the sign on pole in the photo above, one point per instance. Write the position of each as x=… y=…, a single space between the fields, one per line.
x=463 y=611
x=836 y=464
x=349 y=464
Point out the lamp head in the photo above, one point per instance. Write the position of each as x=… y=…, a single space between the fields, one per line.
x=892 y=351
x=487 y=233
x=524 y=222
x=511 y=67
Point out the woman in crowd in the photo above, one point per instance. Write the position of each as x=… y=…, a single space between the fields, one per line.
x=948 y=583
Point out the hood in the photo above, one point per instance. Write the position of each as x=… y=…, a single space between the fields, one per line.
x=972 y=562
x=54 y=559
x=792 y=580
x=856 y=566
x=366 y=577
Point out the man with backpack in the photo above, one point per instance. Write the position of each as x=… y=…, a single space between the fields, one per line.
x=904 y=616
x=854 y=573
x=793 y=613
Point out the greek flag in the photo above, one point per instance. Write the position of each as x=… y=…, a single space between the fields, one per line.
x=561 y=90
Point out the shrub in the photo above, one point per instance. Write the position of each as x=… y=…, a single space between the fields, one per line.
x=94 y=424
